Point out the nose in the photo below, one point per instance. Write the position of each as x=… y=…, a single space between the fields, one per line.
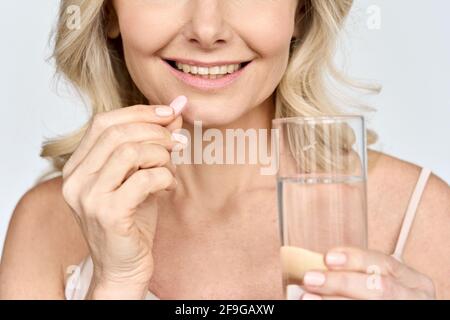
x=207 y=28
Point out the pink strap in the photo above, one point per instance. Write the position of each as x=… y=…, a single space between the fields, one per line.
x=410 y=213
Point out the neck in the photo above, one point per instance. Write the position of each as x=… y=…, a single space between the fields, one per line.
x=220 y=182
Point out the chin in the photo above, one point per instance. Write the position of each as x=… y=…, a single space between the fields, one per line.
x=210 y=118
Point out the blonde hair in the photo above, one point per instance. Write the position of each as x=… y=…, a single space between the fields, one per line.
x=95 y=65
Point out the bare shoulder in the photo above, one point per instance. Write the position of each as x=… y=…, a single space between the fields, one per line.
x=43 y=237
x=391 y=184
x=396 y=178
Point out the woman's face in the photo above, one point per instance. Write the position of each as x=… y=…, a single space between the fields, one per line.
x=207 y=37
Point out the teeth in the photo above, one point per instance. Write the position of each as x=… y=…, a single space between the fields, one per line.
x=212 y=72
x=203 y=70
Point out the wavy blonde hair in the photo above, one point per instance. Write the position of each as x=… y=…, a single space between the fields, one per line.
x=95 y=65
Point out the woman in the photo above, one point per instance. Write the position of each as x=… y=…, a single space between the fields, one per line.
x=141 y=227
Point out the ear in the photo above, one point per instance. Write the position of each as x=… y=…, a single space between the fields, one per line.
x=112 y=22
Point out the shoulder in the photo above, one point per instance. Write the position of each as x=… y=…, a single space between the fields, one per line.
x=43 y=237
x=428 y=245
x=42 y=208
x=396 y=177
x=43 y=199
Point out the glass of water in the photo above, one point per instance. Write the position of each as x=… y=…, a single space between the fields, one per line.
x=321 y=185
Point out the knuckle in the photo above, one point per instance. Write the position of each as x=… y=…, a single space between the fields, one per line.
x=100 y=121
x=166 y=177
x=69 y=192
x=162 y=154
x=128 y=151
x=160 y=131
x=65 y=171
x=164 y=173
x=343 y=281
x=141 y=109
x=165 y=157
x=162 y=177
x=114 y=133
x=144 y=178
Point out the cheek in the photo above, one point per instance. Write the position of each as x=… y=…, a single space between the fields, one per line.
x=267 y=28
x=144 y=29
x=268 y=33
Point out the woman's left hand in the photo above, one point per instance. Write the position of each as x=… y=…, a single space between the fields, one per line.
x=369 y=275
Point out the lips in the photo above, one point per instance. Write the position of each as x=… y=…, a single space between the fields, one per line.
x=206 y=76
x=208 y=72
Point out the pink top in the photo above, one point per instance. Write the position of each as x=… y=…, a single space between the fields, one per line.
x=78 y=282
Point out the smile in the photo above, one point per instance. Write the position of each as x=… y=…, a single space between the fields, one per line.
x=206 y=75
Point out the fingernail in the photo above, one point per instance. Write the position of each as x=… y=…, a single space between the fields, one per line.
x=336 y=258
x=181 y=138
x=310 y=296
x=314 y=279
x=178 y=104
x=182 y=141
x=164 y=111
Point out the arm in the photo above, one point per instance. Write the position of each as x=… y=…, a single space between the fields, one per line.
x=424 y=274
x=36 y=245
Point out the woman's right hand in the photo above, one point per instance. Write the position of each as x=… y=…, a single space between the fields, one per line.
x=110 y=183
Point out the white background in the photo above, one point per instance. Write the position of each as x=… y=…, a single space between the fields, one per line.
x=409 y=55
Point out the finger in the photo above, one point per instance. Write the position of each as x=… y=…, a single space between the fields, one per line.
x=126 y=160
x=143 y=183
x=157 y=114
x=373 y=262
x=312 y=296
x=115 y=136
x=177 y=123
x=172 y=168
x=355 y=285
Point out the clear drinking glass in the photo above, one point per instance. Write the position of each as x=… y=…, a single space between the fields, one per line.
x=321 y=191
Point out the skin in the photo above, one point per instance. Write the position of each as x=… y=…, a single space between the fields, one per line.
x=198 y=238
